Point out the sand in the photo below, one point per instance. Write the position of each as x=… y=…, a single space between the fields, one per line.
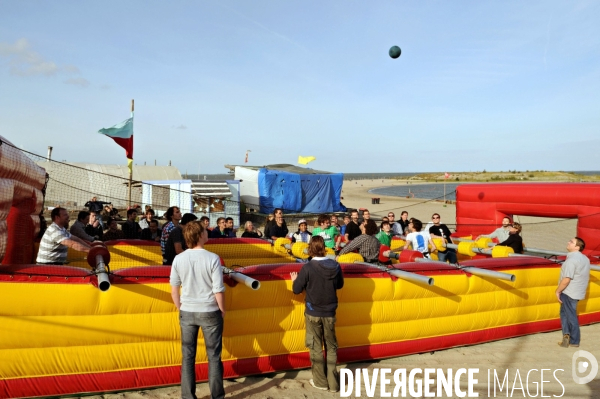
x=538 y=351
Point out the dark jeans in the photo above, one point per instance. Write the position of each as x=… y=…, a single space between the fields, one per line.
x=212 y=329
x=324 y=370
x=449 y=255
x=568 y=318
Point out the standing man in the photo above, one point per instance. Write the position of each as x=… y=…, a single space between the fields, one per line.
x=176 y=242
x=442 y=231
x=57 y=240
x=321 y=278
x=173 y=215
x=201 y=304
x=572 y=285
x=501 y=233
x=94 y=205
x=353 y=228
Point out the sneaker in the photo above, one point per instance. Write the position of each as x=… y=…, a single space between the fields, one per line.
x=312 y=383
x=565 y=341
x=333 y=390
x=574 y=346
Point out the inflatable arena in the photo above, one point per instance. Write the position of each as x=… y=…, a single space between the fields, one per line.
x=106 y=321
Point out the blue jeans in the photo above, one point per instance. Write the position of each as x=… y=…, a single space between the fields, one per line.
x=449 y=255
x=212 y=329
x=568 y=318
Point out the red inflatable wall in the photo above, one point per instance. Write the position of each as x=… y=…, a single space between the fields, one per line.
x=479 y=207
x=21 y=201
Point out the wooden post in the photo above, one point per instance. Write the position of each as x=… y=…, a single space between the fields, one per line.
x=130 y=169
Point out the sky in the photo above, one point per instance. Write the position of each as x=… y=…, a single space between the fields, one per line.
x=495 y=85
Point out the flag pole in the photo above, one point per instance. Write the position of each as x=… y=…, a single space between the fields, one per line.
x=131 y=168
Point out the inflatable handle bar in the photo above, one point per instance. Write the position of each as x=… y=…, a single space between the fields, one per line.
x=242 y=278
x=489 y=273
x=595 y=267
x=102 y=274
x=475 y=270
x=413 y=277
x=525 y=249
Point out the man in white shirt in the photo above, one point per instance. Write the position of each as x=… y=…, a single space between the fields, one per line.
x=201 y=304
x=501 y=233
x=57 y=240
x=419 y=240
x=572 y=286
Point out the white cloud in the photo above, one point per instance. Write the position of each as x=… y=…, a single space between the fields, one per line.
x=77 y=82
x=23 y=61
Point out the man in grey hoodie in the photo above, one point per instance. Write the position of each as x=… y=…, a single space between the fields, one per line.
x=321 y=278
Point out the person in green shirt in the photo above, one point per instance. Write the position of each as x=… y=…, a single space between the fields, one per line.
x=326 y=230
x=385 y=235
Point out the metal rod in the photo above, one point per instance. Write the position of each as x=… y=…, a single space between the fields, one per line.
x=595 y=267
x=241 y=278
x=102 y=274
x=401 y=274
x=475 y=270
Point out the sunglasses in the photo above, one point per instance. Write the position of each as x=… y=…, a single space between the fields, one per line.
x=435 y=217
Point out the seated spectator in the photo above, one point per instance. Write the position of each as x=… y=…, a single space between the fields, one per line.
x=94 y=228
x=105 y=214
x=270 y=218
x=514 y=240
x=205 y=220
x=221 y=230
x=231 y=231
x=440 y=230
x=148 y=217
x=345 y=225
x=353 y=227
x=302 y=235
x=96 y=206
x=131 y=228
x=113 y=232
x=419 y=240
x=114 y=213
x=501 y=233
x=250 y=231
x=78 y=228
x=367 y=244
x=326 y=230
x=334 y=222
x=176 y=243
x=400 y=228
x=278 y=227
x=385 y=236
x=151 y=233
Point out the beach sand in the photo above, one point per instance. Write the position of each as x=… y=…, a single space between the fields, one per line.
x=538 y=351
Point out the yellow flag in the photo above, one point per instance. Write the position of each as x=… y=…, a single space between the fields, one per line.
x=305 y=160
x=130 y=165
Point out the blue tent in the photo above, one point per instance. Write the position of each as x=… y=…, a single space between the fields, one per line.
x=294 y=189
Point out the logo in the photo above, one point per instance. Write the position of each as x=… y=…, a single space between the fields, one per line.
x=590 y=365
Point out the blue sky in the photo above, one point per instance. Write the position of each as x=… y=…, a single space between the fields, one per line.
x=480 y=85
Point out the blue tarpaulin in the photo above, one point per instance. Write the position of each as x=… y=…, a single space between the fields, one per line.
x=299 y=193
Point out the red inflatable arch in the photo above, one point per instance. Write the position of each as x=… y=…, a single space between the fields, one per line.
x=21 y=202
x=480 y=206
